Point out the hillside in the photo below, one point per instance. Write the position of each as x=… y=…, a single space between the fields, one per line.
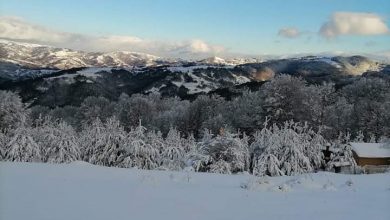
x=41 y=74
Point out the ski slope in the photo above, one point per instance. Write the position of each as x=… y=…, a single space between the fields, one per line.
x=84 y=191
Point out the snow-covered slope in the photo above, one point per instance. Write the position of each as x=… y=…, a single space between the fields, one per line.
x=214 y=60
x=40 y=56
x=83 y=191
x=354 y=65
x=228 y=62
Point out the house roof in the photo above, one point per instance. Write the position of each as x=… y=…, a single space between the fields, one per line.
x=371 y=150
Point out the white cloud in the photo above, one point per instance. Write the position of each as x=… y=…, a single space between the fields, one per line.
x=16 y=28
x=352 y=23
x=289 y=32
x=19 y=29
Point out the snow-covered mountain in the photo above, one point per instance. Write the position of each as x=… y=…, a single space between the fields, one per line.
x=37 y=72
x=229 y=62
x=40 y=56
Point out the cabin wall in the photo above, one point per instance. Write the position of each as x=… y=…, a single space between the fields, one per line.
x=362 y=161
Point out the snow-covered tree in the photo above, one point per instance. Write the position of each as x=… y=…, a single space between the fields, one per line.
x=96 y=107
x=261 y=140
x=285 y=98
x=103 y=144
x=62 y=144
x=13 y=113
x=92 y=139
x=370 y=97
x=318 y=99
x=294 y=161
x=244 y=112
x=196 y=155
x=338 y=117
x=359 y=137
x=172 y=155
x=267 y=164
x=221 y=166
x=142 y=148
x=22 y=147
x=343 y=154
x=231 y=149
x=3 y=142
x=289 y=149
x=200 y=110
x=130 y=110
x=189 y=143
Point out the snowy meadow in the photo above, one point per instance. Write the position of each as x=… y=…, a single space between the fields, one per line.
x=83 y=191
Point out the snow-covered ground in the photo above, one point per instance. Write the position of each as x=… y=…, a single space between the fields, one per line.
x=83 y=191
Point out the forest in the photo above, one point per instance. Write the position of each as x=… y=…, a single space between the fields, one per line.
x=280 y=129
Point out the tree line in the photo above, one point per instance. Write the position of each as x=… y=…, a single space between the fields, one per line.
x=278 y=130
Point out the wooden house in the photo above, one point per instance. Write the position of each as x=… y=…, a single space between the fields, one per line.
x=372 y=157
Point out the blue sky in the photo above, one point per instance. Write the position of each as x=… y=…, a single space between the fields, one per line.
x=246 y=27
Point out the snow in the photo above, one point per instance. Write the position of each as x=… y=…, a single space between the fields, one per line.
x=373 y=150
x=89 y=72
x=200 y=84
x=330 y=61
x=156 y=90
x=241 y=79
x=214 y=60
x=79 y=190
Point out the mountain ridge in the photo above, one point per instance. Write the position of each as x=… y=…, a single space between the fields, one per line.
x=42 y=74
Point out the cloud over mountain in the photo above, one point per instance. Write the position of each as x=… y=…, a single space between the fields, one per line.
x=18 y=29
x=353 y=23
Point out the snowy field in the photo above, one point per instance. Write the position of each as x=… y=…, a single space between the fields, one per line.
x=83 y=191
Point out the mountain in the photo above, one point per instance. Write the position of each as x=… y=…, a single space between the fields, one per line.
x=56 y=76
x=214 y=60
x=40 y=56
